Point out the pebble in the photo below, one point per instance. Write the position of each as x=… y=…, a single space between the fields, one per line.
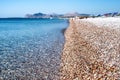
x=91 y=50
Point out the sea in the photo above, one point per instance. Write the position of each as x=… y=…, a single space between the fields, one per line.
x=30 y=49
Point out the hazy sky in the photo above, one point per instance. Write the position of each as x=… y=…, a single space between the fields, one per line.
x=18 y=8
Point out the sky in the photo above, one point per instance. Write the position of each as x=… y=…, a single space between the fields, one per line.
x=19 y=8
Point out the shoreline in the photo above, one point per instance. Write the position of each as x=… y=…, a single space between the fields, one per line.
x=90 y=52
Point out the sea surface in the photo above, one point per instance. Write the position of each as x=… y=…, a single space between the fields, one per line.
x=30 y=49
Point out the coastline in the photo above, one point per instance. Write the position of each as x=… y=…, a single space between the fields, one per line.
x=90 y=52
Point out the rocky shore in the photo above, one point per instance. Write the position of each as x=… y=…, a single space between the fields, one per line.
x=91 y=51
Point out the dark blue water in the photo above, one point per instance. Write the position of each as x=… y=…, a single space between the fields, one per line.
x=30 y=48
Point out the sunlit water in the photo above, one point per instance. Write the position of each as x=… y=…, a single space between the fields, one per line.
x=30 y=48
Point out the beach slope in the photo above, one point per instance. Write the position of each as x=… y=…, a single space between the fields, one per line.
x=91 y=50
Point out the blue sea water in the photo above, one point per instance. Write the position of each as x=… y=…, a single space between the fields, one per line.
x=30 y=48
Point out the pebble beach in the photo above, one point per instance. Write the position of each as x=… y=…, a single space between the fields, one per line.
x=91 y=50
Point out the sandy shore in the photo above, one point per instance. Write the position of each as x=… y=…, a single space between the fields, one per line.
x=91 y=50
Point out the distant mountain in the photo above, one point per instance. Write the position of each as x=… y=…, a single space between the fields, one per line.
x=37 y=15
x=72 y=14
x=42 y=15
x=76 y=14
x=111 y=14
